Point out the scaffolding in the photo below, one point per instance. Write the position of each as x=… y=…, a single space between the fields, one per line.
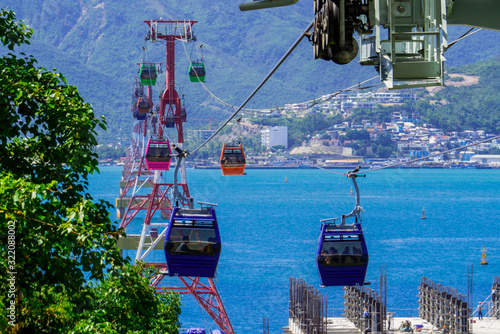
x=444 y=306
x=307 y=308
x=491 y=305
x=356 y=300
x=495 y=298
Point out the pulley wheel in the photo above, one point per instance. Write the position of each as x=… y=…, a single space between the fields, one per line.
x=344 y=55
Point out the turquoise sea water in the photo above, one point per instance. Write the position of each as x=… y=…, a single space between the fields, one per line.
x=270 y=228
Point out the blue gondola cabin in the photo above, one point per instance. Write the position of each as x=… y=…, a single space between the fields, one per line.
x=342 y=256
x=192 y=243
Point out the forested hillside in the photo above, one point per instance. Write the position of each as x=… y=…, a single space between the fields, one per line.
x=474 y=107
x=97 y=45
x=468 y=107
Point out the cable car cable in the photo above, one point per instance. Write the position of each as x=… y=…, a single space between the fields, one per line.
x=297 y=159
x=304 y=33
x=270 y=110
x=467 y=34
x=217 y=99
x=356 y=172
x=329 y=97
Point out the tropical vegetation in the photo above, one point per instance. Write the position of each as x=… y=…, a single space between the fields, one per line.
x=60 y=270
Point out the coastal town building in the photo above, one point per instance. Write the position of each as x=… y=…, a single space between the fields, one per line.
x=346 y=102
x=411 y=138
x=273 y=136
x=492 y=160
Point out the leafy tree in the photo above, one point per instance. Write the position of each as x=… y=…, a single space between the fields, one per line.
x=378 y=115
x=125 y=303
x=57 y=235
x=383 y=145
x=278 y=148
x=357 y=135
x=326 y=136
x=384 y=139
x=107 y=152
x=384 y=151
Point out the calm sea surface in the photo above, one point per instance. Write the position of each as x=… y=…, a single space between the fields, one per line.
x=269 y=222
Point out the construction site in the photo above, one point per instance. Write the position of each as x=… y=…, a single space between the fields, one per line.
x=441 y=310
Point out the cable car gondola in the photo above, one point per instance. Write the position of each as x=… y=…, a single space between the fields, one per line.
x=342 y=256
x=148 y=75
x=192 y=243
x=197 y=72
x=232 y=160
x=158 y=154
x=139 y=116
x=141 y=109
x=143 y=105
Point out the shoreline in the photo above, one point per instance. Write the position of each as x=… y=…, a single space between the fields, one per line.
x=330 y=167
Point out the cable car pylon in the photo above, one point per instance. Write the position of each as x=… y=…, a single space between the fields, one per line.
x=145 y=196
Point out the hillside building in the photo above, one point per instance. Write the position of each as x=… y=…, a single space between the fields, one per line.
x=413 y=151
x=272 y=136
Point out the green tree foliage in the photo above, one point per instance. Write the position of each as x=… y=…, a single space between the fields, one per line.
x=357 y=135
x=56 y=235
x=278 y=148
x=377 y=115
x=110 y=152
x=383 y=146
x=473 y=107
x=125 y=303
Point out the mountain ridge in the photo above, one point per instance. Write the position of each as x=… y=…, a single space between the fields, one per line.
x=97 y=44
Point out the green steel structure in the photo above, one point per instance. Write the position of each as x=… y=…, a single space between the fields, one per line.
x=404 y=39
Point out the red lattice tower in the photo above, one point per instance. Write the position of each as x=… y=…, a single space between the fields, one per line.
x=158 y=200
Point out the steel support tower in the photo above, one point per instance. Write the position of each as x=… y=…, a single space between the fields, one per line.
x=145 y=195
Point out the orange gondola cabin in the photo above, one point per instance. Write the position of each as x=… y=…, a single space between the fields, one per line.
x=232 y=160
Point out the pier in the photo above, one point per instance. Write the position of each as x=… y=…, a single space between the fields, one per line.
x=439 y=307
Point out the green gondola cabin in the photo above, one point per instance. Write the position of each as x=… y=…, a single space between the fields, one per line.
x=148 y=75
x=197 y=72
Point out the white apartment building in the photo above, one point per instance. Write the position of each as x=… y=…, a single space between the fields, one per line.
x=274 y=135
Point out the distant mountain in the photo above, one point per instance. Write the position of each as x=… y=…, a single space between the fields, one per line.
x=97 y=45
